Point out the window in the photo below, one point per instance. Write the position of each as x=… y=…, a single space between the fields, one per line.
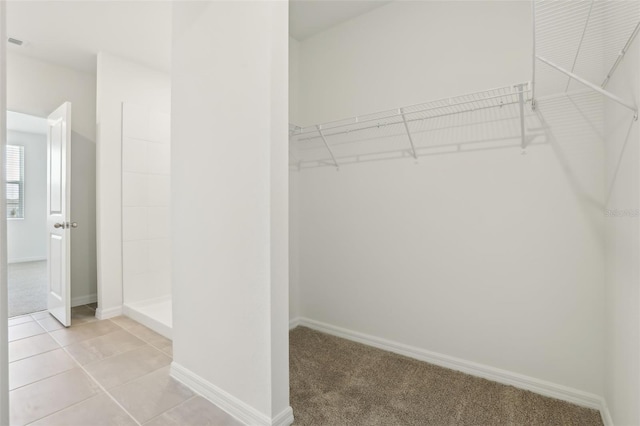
x=15 y=182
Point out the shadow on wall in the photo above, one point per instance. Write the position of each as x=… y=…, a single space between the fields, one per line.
x=571 y=124
x=84 y=277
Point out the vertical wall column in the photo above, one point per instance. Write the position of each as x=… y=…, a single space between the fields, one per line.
x=4 y=346
x=229 y=205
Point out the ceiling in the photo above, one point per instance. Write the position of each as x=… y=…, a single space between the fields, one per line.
x=26 y=123
x=310 y=17
x=71 y=33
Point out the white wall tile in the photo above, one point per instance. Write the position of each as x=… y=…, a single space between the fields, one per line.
x=159 y=190
x=137 y=286
x=135 y=257
x=159 y=127
x=134 y=223
x=159 y=158
x=158 y=222
x=135 y=156
x=159 y=283
x=159 y=255
x=135 y=121
x=146 y=165
x=135 y=189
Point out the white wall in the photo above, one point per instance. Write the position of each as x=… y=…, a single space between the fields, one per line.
x=493 y=257
x=118 y=81
x=37 y=88
x=622 y=368
x=146 y=181
x=294 y=84
x=26 y=238
x=229 y=166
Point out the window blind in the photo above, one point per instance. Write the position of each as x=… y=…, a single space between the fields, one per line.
x=15 y=181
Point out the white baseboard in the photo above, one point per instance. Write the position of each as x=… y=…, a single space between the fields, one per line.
x=26 y=259
x=285 y=418
x=155 y=325
x=607 y=420
x=227 y=402
x=294 y=322
x=517 y=380
x=103 y=314
x=84 y=300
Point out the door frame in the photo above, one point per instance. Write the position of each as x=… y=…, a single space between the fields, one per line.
x=4 y=307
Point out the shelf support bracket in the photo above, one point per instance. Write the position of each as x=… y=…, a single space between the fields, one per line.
x=520 y=87
x=324 y=139
x=406 y=126
x=584 y=32
x=621 y=55
x=590 y=85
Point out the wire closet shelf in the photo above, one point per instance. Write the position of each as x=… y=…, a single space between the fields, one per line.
x=580 y=44
x=405 y=118
x=577 y=46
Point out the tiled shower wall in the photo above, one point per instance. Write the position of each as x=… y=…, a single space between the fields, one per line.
x=146 y=257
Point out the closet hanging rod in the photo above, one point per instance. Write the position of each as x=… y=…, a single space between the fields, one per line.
x=446 y=103
x=591 y=85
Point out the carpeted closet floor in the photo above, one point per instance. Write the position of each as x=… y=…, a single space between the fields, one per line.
x=337 y=382
x=27 y=287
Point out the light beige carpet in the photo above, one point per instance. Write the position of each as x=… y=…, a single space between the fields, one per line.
x=27 y=287
x=337 y=382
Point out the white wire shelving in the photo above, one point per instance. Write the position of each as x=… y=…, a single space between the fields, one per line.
x=581 y=43
x=577 y=45
x=403 y=126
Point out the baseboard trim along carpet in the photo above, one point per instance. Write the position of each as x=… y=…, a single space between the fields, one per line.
x=607 y=420
x=103 y=314
x=227 y=402
x=294 y=322
x=520 y=381
x=84 y=300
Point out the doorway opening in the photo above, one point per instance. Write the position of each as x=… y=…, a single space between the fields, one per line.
x=26 y=169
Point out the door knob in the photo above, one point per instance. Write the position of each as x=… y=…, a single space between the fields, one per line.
x=74 y=224
x=59 y=225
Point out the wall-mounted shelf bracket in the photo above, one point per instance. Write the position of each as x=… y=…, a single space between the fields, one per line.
x=621 y=55
x=521 y=89
x=591 y=85
x=584 y=32
x=333 y=157
x=406 y=126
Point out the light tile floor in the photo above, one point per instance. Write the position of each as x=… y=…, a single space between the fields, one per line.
x=110 y=372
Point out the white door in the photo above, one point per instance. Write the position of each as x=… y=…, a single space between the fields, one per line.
x=58 y=212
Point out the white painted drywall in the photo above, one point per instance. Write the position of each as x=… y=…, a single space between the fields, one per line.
x=229 y=169
x=26 y=238
x=118 y=81
x=622 y=343
x=38 y=88
x=294 y=84
x=146 y=181
x=491 y=256
x=4 y=338
x=294 y=80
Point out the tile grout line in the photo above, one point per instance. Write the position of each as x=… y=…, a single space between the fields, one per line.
x=82 y=367
x=195 y=395
x=31 y=356
x=93 y=379
x=106 y=392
